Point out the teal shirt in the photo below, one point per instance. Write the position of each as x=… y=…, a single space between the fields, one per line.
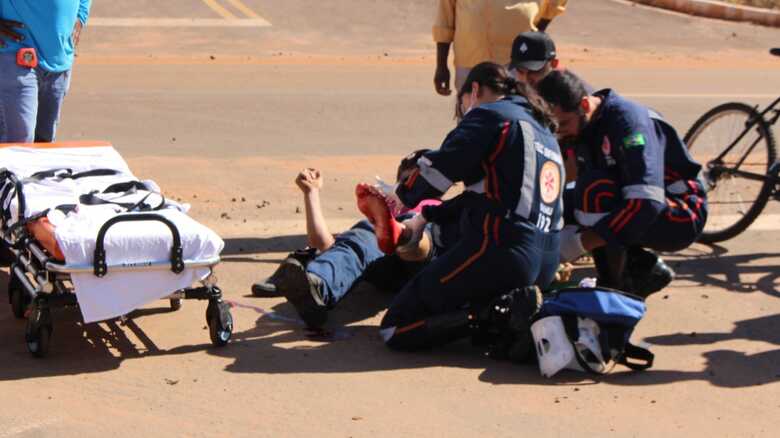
x=48 y=28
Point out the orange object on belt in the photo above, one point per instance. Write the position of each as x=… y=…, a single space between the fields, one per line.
x=43 y=231
x=27 y=57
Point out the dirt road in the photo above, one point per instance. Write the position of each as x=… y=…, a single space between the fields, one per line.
x=240 y=125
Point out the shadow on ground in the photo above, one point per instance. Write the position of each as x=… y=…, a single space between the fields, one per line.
x=258 y=245
x=742 y=273
x=274 y=345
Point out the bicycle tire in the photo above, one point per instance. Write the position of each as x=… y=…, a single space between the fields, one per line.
x=767 y=188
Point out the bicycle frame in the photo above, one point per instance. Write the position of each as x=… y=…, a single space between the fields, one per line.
x=716 y=164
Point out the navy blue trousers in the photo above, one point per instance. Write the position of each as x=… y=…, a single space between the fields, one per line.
x=491 y=257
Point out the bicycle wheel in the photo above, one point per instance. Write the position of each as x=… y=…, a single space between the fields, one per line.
x=734 y=201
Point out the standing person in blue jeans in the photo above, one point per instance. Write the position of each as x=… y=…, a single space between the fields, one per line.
x=33 y=82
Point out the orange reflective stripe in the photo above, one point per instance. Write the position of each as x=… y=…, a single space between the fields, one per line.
x=587 y=192
x=501 y=143
x=412 y=178
x=62 y=144
x=487 y=183
x=409 y=327
x=597 y=201
x=622 y=213
x=473 y=258
x=629 y=216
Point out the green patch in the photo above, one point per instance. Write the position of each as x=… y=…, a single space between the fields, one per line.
x=636 y=140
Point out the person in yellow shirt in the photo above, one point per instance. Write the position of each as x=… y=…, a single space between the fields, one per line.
x=483 y=30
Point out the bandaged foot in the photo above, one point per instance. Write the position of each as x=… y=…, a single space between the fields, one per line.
x=372 y=203
x=412 y=233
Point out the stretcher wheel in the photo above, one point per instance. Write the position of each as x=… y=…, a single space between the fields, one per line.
x=175 y=304
x=39 y=340
x=220 y=323
x=19 y=299
x=39 y=328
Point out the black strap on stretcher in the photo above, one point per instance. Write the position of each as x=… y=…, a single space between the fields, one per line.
x=12 y=182
x=66 y=173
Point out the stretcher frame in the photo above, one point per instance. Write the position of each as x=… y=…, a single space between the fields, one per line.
x=38 y=282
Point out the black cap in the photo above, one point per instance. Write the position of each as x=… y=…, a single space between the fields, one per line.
x=532 y=50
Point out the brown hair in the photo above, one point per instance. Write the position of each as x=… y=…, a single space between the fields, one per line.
x=498 y=79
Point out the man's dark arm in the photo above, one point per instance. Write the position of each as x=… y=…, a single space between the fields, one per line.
x=441 y=79
x=8 y=31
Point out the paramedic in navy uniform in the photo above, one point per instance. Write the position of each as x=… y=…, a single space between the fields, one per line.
x=504 y=152
x=637 y=185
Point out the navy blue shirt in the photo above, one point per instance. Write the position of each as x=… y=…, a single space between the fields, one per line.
x=504 y=157
x=646 y=156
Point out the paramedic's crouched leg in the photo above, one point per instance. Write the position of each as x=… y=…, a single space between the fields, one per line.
x=326 y=279
x=678 y=226
x=631 y=267
x=439 y=304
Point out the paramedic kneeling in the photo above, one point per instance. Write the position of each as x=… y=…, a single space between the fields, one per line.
x=637 y=185
x=510 y=214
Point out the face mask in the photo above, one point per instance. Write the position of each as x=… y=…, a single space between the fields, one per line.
x=473 y=101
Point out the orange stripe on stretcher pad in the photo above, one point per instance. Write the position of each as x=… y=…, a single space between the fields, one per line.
x=61 y=144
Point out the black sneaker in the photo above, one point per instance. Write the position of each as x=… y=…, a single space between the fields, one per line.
x=647 y=281
x=303 y=291
x=268 y=288
x=506 y=325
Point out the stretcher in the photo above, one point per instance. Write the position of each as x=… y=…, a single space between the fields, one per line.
x=83 y=231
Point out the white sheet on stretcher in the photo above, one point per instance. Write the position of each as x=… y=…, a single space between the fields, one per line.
x=42 y=195
x=118 y=293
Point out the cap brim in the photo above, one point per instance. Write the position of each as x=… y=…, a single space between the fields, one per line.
x=529 y=65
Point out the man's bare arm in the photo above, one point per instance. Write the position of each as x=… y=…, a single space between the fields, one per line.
x=318 y=235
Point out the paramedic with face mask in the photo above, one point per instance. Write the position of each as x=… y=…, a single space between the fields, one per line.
x=510 y=213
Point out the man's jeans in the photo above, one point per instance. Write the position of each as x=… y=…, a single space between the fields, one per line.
x=30 y=101
x=345 y=262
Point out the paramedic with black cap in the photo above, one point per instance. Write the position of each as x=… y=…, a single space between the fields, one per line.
x=533 y=57
x=638 y=186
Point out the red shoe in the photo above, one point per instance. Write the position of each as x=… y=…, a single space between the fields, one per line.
x=371 y=202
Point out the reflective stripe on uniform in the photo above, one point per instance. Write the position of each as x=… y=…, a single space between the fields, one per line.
x=433 y=176
x=644 y=191
x=477 y=187
x=654 y=115
x=588 y=219
x=678 y=187
x=387 y=333
x=525 y=203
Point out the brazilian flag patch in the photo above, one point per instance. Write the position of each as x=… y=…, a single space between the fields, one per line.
x=634 y=141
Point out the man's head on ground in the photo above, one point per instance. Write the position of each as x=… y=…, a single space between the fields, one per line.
x=533 y=57
x=489 y=82
x=571 y=105
x=408 y=164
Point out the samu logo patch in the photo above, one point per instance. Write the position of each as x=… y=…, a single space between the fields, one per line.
x=634 y=141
